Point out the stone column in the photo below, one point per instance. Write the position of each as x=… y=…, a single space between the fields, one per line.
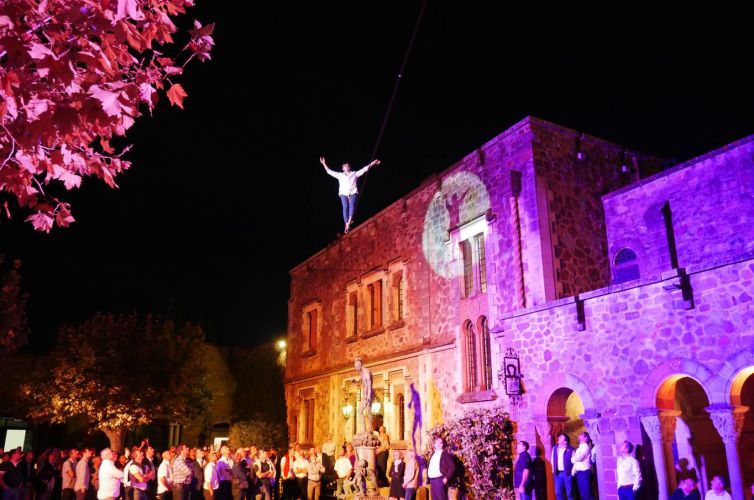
x=668 y=419
x=729 y=422
x=544 y=429
x=650 y=419
x=592 y=423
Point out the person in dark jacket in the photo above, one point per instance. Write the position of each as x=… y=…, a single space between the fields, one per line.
x=397 y=472
x=686 y=490
x=441 y=470
x=562 y=467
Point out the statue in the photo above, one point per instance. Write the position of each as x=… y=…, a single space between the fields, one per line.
x=365 y=405
x=364 y=481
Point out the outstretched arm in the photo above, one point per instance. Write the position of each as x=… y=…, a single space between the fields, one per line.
x=327 y=169
x=361 y=172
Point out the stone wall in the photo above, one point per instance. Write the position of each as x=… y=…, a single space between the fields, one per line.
x=712 y=203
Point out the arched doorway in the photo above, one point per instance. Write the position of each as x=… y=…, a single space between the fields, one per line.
x=564 y=415
x=565 y=408
x=742 y=394
x=692 y=446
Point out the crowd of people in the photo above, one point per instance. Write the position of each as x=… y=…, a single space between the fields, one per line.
x=183 y=473
x=248 y=473
x=139 y=473
x=573 y=474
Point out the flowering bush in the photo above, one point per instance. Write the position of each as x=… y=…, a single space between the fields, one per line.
x=482 y=440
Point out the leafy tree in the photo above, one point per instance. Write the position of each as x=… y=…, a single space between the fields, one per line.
x=261 y=432
x=74 y=75
x=482 y=441
x=122 y=371
x=260 y=388
x=13 y=326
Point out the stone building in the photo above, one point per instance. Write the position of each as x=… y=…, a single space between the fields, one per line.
x=625 y=291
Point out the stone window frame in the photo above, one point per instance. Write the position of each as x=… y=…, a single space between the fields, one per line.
x=309 y=348
x=471 y=275
x=470 y=357
x=477 y=360
x=306 y=420
x=635 y=263
x=370 y=327
x=397 y=296
x=487 y=380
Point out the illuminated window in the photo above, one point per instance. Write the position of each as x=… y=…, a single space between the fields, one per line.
x=486 y=354
x=468 y=268
x=479 y=239
x=374 y=294
x=470 y=355
x=625 y=266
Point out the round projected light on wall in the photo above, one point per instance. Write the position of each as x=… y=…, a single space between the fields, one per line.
x=461 y=198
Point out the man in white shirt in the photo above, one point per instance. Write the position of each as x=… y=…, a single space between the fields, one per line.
x=440 y=471
x=343 y=469
x=109 y=477
x=211 y=479
x=328 y=447
x=165 y=478
x=69 y=475
x=629 y=474
x=347 y=189
x=301 y=470
x=83 y=475
x=582 y=466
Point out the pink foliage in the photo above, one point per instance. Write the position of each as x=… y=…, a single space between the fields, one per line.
x=75 y=74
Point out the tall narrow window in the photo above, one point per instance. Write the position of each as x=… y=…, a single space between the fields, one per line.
x=470 y=352
x=625 y=266
x=401 y=292
x=312 y=330
x=486 y=354
x=468 y=268
x=400 y=401
x=375 y=304
x=479 y=238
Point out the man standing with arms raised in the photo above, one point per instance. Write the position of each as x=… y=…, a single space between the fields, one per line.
x=347 y=189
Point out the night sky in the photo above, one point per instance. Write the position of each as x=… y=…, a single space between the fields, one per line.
x=225 y=197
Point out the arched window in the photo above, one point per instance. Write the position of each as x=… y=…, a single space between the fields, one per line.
x=470 y=352
x=625 y=266
x=486 y=350
x=400 y=402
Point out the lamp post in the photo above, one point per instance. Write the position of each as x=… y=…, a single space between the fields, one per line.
x=347 y=408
